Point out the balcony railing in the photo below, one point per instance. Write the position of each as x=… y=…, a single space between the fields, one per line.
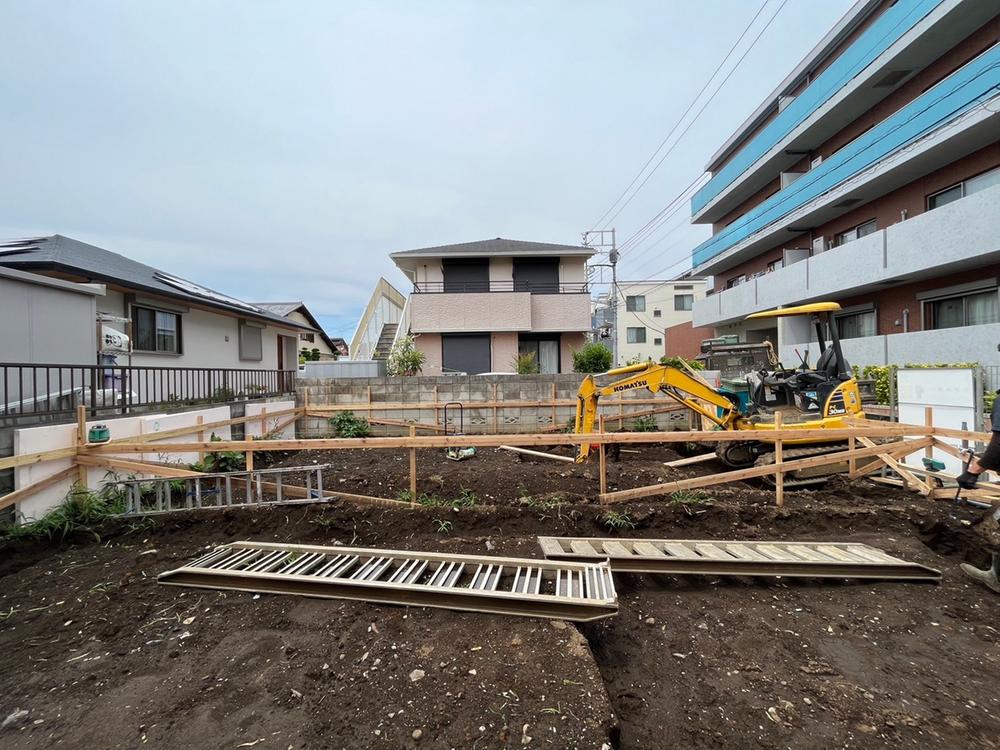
x=54 y=390
x=532 y=287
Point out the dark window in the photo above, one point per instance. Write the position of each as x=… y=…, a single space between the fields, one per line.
x=466 y=353
x=536 y=275
x=156 y=330
x=735 y=281
x=854 y=233
x=657 y=341
x=466 y=275
x=774 y=265
x=545 y=349
x=971 y=309
x=683 y=301
x=636 y=335
x=635 y=303
x=656 y=312
x=856 y=325
x=308 y=337
x=962 y=189
x=251 y=342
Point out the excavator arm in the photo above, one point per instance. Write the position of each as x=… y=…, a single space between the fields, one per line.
x=675 y=383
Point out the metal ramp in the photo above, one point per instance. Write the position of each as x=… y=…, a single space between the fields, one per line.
x=532 y=588
x=713 y=557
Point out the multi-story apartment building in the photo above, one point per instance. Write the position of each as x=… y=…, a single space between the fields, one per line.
x=476 y=306
x=869 y=177
x=644 y=309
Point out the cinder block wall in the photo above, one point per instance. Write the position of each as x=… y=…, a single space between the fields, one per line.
x=467 y=390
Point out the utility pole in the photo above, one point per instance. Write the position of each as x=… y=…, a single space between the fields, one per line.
x=603 y=240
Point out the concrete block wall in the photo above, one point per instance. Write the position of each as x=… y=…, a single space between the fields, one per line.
x=466 y=389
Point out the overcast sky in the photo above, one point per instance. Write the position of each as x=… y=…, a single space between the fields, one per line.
x=280 y=150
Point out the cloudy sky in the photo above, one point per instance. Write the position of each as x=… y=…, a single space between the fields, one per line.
x=280 y=150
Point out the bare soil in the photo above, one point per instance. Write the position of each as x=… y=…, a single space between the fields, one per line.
x=100 y=656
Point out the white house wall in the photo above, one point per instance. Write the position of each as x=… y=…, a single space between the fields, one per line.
x=46 y=325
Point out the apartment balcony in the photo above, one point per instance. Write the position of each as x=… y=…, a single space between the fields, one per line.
x=481 y=307
x=903 y=40
x=964 y=234
x=954 y=118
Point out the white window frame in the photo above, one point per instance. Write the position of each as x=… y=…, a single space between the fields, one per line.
x=683 y=297
x=635 y=303
x=244 y=328
x=631 y=331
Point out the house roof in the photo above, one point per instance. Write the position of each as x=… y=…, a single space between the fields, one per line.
x=284 y=309
x=75 y=258
x=498 y=246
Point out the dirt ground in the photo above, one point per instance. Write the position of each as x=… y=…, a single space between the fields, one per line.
x=101 y=656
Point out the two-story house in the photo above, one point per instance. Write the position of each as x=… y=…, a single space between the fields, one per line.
x=869 y=177
x=476 y=306
x=645 y=309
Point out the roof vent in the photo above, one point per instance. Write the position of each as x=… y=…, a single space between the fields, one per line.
x=891 y=78
x=847 y=202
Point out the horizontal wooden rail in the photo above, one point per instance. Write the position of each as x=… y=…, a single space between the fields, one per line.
x=319 y=409
x=495 y=441
x=24 y=492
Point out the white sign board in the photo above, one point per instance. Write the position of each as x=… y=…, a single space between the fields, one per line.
x=953 y=396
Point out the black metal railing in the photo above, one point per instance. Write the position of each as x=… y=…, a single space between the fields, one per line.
x=31 y=389
x=533 y=287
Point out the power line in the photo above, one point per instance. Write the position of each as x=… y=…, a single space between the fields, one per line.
x=677 y=123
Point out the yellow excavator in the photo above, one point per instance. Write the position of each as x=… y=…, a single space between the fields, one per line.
x=814 y=398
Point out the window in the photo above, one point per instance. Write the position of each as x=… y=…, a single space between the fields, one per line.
x=636 y=335
x=657 y=341
x=735 y=281
x=310 y=337
x=156 y=330
x=544 y=348
x=536 y=275
x=656 y=312
x=251 y=342
x=975 y=308
x=683 y=301
x=774 y=265
x=635 y=303
x=856 y=325
x=855 y=233
x=962 y=189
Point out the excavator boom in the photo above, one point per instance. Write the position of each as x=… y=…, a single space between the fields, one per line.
x=679 y=385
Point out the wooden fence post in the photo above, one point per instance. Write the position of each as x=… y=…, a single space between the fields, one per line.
x=603 y=459
x=852 y=462
x=81 y=442
x=779 y=476
x=929 y=421
x=201 y=434
x=413 y=467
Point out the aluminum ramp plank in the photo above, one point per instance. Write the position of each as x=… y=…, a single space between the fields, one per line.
x=513 y=586
x=732 y=558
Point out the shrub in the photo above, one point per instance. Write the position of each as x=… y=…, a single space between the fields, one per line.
x=592 y=358
x=221 y=461
x=694 y=364
x=526 y=364
x=404 y=358
x=346 y=425
x=645 y=424
x=80 y=511
x=882 y=374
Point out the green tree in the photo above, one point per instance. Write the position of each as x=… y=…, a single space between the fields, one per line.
x=404 y=358
x=592 y=358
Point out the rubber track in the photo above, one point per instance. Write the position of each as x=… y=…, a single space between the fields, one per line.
x=790 y=454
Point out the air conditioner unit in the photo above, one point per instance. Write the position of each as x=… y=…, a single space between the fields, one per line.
x=815 y=162
x=819 y=245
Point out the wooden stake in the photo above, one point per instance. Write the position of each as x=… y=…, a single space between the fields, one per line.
x=929 y=423
x=602 y=453
x=413 y=468
x=540 y=454
x=852 y=462
x=81 y=443
x=554 y=403
x=200 y=420
x=779 y=457
x=496 y=427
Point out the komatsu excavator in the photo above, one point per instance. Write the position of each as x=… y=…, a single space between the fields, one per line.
x=816 y=398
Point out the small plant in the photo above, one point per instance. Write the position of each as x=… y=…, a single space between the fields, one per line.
x=526 y=364
x=466 y=499
x=346 y=425
x=220 y=461
x=645 y=424
x=618 y=521
x=405 y=358
x=442 y=526
x=684 y=497
x=82 y=510
x=592 y=358
x=431 y=501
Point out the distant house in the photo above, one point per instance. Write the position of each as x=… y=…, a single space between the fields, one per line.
x=171 y=322
x=316 y=338
x=645 y=309
x=340 y=346
x=379 y=322
x=476 y=306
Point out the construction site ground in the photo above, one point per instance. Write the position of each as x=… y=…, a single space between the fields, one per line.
x=99 y=655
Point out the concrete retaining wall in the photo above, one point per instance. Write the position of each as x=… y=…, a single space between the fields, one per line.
x=467 y=389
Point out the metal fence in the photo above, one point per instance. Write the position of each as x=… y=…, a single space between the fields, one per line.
x=53 y=390
x=534 y=287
